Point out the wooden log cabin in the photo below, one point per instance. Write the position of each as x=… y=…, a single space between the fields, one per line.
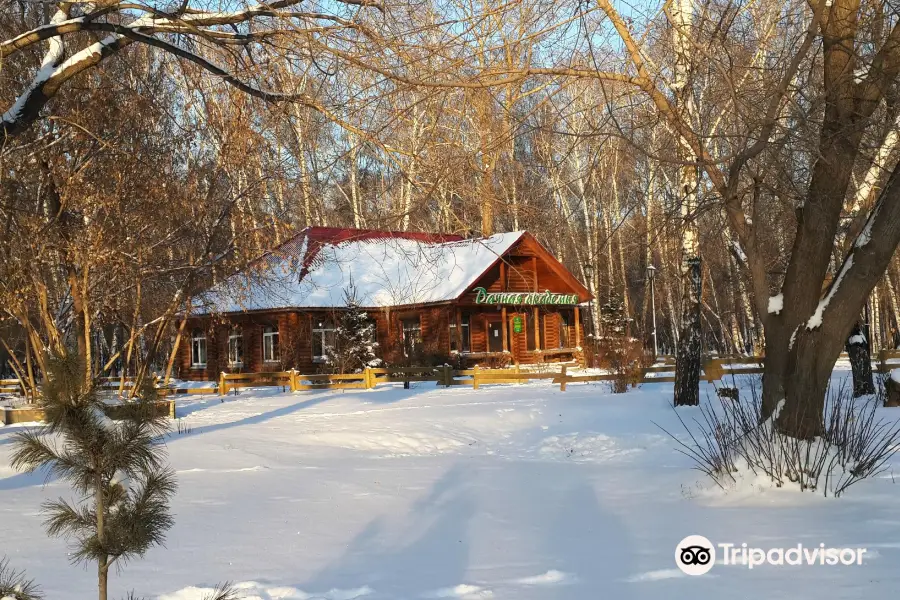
x=433 y=298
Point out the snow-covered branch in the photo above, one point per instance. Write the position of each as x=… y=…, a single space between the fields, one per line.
x=128 y=22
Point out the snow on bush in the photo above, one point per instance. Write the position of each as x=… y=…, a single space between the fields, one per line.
x=731 y=445
x=895 y=375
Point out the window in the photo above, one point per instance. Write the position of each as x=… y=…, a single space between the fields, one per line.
x=324 y=337
x=270 y=344
x=563 y=330
x=236 y=347
x=412 y=336
x=466 y=336
x=198 y=349
x=460 y=341
x=530 y=341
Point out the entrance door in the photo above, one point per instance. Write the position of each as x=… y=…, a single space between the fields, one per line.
x=495 y=336
x=516 y=329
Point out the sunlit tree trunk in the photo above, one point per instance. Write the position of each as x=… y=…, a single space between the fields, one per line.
x=688 y=357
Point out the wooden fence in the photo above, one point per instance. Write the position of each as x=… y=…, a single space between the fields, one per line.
x=714 y=369
x=11 y=386
x=445 y=375
x=30 y=413
x=367 y=379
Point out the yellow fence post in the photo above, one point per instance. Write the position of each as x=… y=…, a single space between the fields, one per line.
x=562 y=379
x=713 y=370
x=475 y=377
x=518 y=381
x=223 y=387
x=368 y=379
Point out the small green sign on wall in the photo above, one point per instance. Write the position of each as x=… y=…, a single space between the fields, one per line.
x=517 y=324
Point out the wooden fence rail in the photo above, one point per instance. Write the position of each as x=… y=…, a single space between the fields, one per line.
x=714 y=369
x=35 y=413
x=11 y=386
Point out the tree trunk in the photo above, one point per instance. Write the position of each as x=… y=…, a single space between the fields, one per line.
x=32 y=384
x=103 y=559
x=891 y=342
x=775 y=366
x=877 y=332
x=860 y=362
x=487 y=197
x=624 y=272
x=809 y=368
x=175 y=346
x=102 y=579
x=689 y=356
x=132 y=334
x=355 y=204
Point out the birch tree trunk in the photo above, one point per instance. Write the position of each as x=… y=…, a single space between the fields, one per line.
x=648 y=246
x=617 y=214
x=355 y=206
x=866 y=193
x=688 y=357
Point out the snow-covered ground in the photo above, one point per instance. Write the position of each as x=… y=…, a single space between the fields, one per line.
x=509 y=492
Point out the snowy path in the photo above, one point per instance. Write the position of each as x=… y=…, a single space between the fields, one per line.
x=514 y=492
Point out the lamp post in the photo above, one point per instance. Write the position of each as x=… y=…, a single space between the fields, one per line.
x=589 y=274
x=651 y=275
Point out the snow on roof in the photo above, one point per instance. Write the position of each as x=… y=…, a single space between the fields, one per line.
x=385 y=271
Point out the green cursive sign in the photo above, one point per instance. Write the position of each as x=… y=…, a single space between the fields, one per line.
x=482 y=296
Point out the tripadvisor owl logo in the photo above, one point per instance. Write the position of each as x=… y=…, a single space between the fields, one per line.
x=695 y=555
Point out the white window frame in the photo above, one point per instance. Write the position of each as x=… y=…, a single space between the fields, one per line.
x=319 y=334
x=235 y=342
x=270 y=339
x=198 y=347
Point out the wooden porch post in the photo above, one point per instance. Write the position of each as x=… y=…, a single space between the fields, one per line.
x=537 y=329
x=503 y=328
x=577 y=328
x=458 y=330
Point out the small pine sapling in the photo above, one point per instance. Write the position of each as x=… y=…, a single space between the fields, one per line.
x=14 y=585
x=354 y=346
x=224 y=591
x=117 y=469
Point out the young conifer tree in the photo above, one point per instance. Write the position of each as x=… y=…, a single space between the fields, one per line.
x=117 y=470
x=355 y=343
x=14 y=585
